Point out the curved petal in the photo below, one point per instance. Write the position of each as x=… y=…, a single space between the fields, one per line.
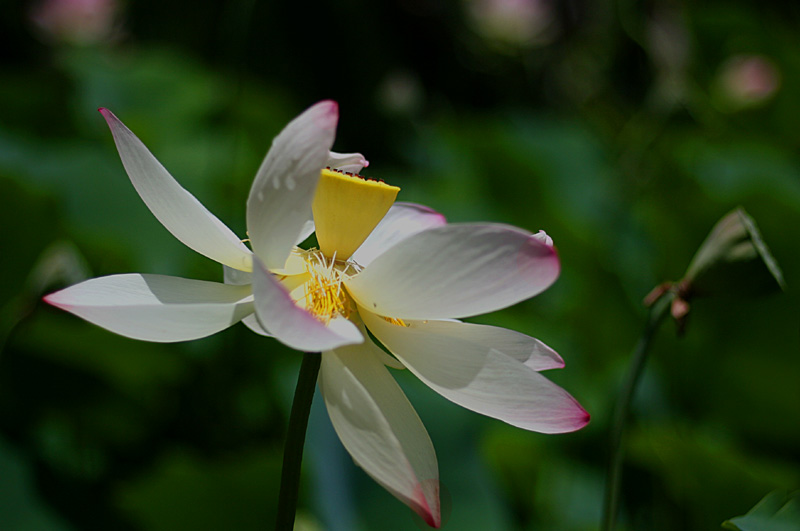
x=379 y=427
x=456 y=271
x=352 y=162
x=292 y=325
x=280 y=199
x=402 y=221
x=156 y=307
x=178 y=210
x=480 y=378
x=251 y=322
x=525 y=349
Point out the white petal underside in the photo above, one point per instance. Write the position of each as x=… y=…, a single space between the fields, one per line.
x=279 y=205
x=402 y=221
x=294 y=326
x=456 y=271
x=379 y=427
x=178 y=210
x=480 y=378
x=156 y=307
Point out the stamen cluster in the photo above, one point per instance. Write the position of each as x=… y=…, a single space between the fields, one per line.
x=324 y=294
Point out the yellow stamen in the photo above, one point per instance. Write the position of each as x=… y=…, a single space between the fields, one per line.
x=316 y=283
x=347 y=208
x=320 y=287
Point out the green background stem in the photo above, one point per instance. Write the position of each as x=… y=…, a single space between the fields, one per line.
x=658 y=311
x=295 y=440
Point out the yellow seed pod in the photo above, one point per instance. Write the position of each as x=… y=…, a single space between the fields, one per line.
x=347 y=208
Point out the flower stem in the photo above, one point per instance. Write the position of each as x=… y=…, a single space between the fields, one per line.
x=658 y=311
x=295 y=440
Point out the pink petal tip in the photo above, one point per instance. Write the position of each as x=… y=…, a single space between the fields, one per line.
x=51 y=299
x=108 y=115
x=332 y=105
x=582 y=419
x=325 y=114
x=423 y=509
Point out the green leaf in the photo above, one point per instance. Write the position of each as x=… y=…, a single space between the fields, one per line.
x=777 y=511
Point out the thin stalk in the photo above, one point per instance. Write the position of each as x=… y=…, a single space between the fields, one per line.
x=658 y=311
x=295 y=440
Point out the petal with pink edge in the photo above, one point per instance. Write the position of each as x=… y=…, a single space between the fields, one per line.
x=379 y=427
x=480 y=378
x=402 y=220
x=292 y=325
x=178 y=210
x=456 y=271
x=279 y=205
x=156 y=307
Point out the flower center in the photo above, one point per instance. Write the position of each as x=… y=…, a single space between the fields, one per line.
x=347 y=207
x=319 y=288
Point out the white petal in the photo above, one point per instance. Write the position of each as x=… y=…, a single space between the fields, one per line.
x=352 y=162
x=178 y=210
x=280 y=199
x=235 y=277
x=402 y=221
x=251 y=322
x=480 y=378
x=242 y=278
x=380 y=428
x=456 y=271
x=292 y=325
x=527 y=350
x=389 y=360
x=156 y=307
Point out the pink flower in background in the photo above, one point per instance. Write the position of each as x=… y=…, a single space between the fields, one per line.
x=395 y=269
x=748 y=79
x=76 y=21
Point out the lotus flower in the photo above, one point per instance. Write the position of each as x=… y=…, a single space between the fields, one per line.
x=395 y=269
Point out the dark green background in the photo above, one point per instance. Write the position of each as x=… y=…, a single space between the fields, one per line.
x=613 y=129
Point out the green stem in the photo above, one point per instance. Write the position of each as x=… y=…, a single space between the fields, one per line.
x=295 y=439
x=658 y=311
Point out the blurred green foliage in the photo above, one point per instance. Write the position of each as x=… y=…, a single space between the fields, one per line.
x=778 y=511
x=623 y=129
